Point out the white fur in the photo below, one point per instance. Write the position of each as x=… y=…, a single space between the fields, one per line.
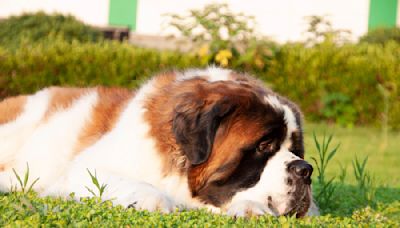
x=290 y=120
x=243 y=208
x=291 y=124
x=274 y=102
x=289 y=117
x=13 y=134
x=48 y=148
x=144 y=196
x=212 y=74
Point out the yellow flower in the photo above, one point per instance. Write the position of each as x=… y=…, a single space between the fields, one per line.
x=223 y=57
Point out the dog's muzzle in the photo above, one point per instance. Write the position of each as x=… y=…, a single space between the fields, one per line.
x=300 y=172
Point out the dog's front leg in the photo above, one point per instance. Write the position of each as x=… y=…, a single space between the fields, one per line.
x=247 y=208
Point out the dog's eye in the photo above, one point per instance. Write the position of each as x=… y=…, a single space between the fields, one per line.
x=265 y=147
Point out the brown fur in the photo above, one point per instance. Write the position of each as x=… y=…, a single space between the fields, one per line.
x=62 y=98
x=159 y=115
x=11 y=108
x=105 y=114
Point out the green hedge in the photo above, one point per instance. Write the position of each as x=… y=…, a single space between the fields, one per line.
x=339 y=84
x=382 y=35
x=32 y=67
x=35 y=27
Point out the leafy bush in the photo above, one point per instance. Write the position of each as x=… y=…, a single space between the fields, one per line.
x=34 y=27
x=215 y=24
x=338 y=107
x=31 y=67
x=310 y=76
x=336 y=83
x=382 y=35
x=320 y=30
x=222 y=37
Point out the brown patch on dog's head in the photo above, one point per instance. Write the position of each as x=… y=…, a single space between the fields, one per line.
x=110 y=104
x=11 y=108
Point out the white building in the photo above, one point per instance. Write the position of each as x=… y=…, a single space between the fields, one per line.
x=282 y=20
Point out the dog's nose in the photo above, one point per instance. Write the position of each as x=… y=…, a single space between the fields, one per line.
x=300 y=168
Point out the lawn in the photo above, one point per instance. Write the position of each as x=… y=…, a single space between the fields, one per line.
x=383 y=161
x=351 y=204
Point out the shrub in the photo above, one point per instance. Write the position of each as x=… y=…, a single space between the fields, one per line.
x=215 y=25
x=222 y=37
x=34 y=27
x=34 y=66
x=311 y=76
x=336 y=83
x=320 y=30
x=382 y=35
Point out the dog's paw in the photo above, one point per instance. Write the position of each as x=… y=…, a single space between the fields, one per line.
x=139 y=195
x=247 y=208
x=151 y=199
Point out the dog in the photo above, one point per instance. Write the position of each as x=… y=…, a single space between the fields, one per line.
x=202 y=138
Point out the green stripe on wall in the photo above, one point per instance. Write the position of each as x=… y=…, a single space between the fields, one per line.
x=382 y=13
x=123 y=13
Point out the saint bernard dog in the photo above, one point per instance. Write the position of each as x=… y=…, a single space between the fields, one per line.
x=210 y=138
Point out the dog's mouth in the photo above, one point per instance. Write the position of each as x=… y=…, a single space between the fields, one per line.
x=298 y=203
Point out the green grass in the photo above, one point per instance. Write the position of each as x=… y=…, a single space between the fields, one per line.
x=349 y=206
x=29 y=210
x=383 y=163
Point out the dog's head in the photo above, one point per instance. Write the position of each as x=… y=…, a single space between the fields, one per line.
x=243 y=141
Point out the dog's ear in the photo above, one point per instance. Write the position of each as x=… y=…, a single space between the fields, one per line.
x=195 y=124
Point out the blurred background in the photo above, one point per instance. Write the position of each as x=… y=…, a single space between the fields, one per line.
x=338 y=59
x=281 y=20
